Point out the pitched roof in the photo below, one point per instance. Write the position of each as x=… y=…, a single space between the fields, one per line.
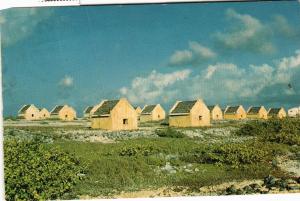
x=24 y=108
x=232 y=109
x=148 y=109
x=274 y=110
x=88 y=109
x=254 y=110
x=57 y=109
x=211 y=107
x=106 y=107
x=183 y=107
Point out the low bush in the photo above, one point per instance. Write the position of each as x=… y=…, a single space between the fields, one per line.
x=285 y=131
x=139 y=150
x=169 y=132
x=233 y=154
x=34 y=171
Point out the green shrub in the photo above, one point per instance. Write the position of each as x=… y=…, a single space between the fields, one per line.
x=233 y=154
x=169 y=132
x=34 y=171
x=139 y=150
x=285 y=131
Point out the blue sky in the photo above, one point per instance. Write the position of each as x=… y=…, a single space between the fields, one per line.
x=225 y=53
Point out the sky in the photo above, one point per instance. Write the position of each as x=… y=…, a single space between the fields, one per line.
x=224 y=53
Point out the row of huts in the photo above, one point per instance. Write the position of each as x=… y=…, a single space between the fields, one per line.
x=62 y=112
x=121 y=115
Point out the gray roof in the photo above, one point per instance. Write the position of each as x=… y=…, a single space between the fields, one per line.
x=274 y=110
x=254 y=110
x=57 y=109
x=24 y=108
x=148 y=109
x=183 y=107
x=88 y=109
x=232 y=109
x=106 y=107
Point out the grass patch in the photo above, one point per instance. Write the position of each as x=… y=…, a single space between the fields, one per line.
x=132 y=165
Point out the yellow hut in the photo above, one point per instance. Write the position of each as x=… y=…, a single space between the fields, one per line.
x=87 y=112
x=216 y=112
x=257 y=113
x=152 y=113
x=276 y=113
x=115 y=115
x=189 y=114
x=138 y=110
x=44 y=113
x=235 y=112
x=29 y=112
x=63 y=112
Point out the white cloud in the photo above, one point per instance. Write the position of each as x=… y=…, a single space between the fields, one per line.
x=66 y=82
x=17 y=24
x=154 y=87
x=196 y=53
x=247 y=33
x=218 y=83
x=281 y=25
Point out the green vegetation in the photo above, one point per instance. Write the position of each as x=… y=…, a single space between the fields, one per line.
x=235 y=154
x=169 y=158
x=169 y=132
x=34 y=171
x=285 y=131
x=151 y=163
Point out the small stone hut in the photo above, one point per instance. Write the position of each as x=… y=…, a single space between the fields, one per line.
x=152 y=113
x=259 y=112
x=29 y=112
x=63 y=112
x=189 y=114
x=87 y=112
x=216 y=112
x=277 y=113
x=235 y=113
x=44 y=113
x=115 y=115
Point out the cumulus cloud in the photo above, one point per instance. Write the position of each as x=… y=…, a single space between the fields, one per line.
x=154 y=87
x=195 y=54
x=246 y=33
x=17 y=24
x=281 y=25
x=220 y=83
x=66 y=82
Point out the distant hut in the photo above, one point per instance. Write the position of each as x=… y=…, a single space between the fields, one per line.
x=29 y=112
x=235 y=112
x=189 y=114
x=216 y=112
x=259 y=112
x=138 y=110
x=115 y=115
x=152 y=113
x=44 y=113
x=63 y=112
x=294 y=112
x=87 y=112
x=276 y=113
